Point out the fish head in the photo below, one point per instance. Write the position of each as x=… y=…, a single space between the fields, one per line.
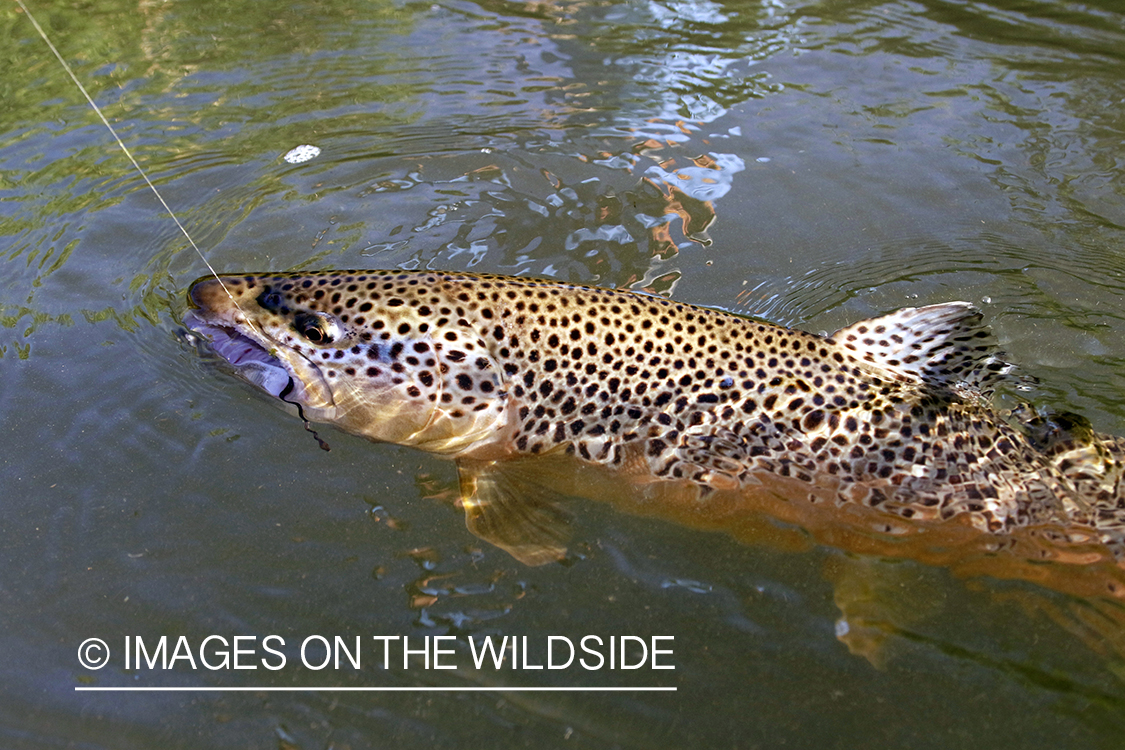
x=369 y=352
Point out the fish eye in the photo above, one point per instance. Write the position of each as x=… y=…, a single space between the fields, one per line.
x=318 y=328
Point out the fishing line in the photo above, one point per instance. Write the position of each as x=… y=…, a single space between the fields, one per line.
x=301 y=413
x=121 y=143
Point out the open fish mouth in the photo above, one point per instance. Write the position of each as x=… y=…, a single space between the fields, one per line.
x=249 y=360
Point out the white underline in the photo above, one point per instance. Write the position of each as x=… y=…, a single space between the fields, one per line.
x=134 y=689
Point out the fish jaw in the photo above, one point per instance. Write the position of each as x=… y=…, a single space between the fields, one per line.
x=227 y=324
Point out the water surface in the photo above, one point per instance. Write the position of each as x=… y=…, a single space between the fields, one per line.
x=808 y=163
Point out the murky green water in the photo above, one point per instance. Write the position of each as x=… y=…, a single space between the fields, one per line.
x=808 y=163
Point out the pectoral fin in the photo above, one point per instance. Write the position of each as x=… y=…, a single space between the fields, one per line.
x=506 y=507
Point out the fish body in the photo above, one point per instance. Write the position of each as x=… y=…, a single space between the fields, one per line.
x=890 y=413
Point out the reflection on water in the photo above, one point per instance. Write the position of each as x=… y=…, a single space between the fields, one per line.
x=813 y=163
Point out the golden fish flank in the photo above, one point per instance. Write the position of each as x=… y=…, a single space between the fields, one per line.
x=890 y=412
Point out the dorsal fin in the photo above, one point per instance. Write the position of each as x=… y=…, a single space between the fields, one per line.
x=944 y=344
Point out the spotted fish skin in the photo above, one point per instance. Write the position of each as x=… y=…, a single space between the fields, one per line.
x=890 y=413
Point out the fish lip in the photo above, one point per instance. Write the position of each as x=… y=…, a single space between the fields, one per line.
x=249 y=357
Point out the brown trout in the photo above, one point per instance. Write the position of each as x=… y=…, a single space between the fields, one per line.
x=889 y=414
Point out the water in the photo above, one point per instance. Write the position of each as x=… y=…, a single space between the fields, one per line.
x=812 y=164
